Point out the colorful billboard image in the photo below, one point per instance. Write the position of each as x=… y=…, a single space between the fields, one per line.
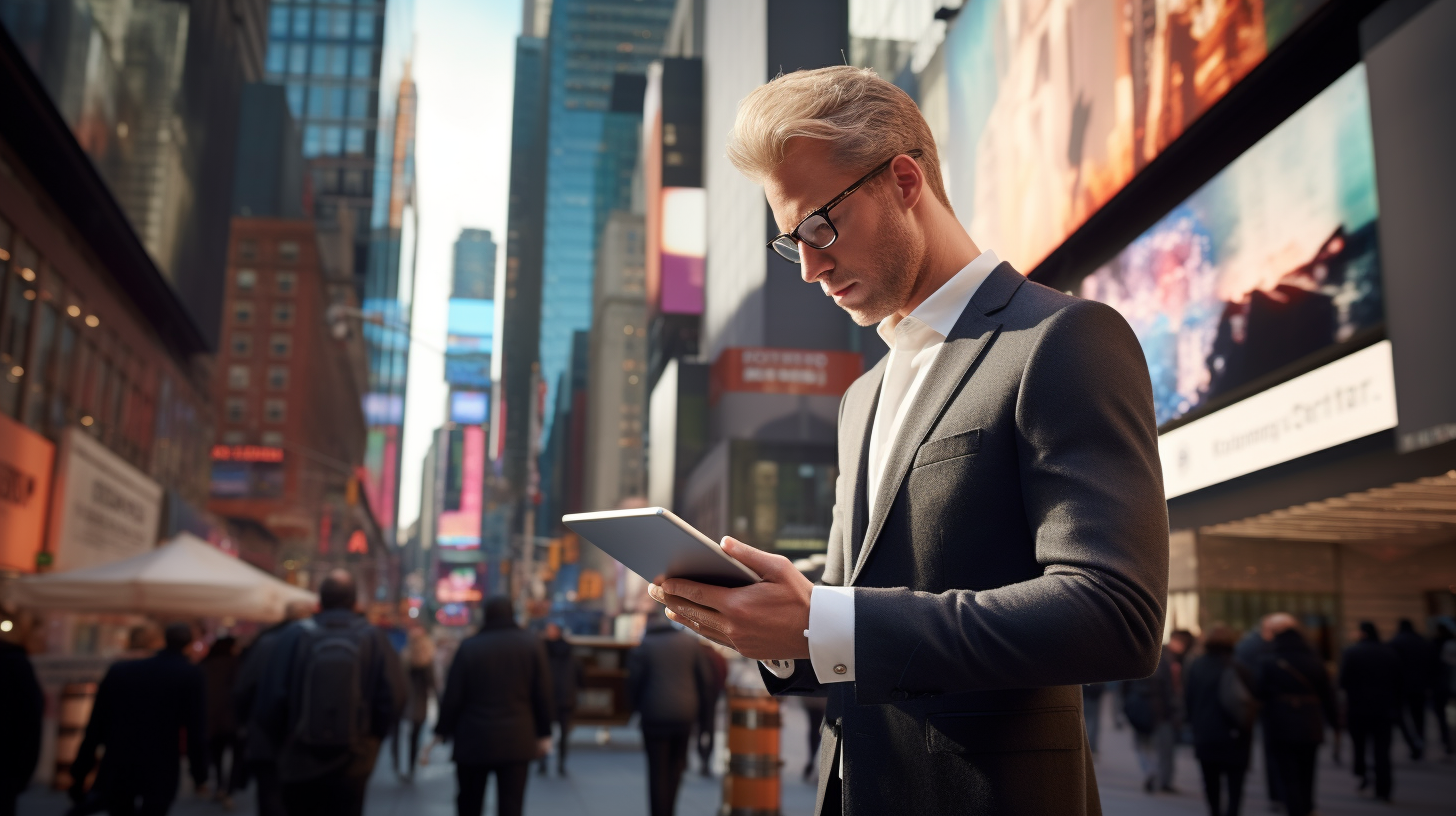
x=460 y=583
x=459 y=523
x=1272 y=260
x=684 y=249
x=1083 y=94
x=469 y=407
x=470 y=336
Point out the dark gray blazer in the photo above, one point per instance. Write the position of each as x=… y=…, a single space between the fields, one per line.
x=1019 y=548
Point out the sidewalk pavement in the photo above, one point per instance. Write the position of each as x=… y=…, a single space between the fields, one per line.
x=610 y=780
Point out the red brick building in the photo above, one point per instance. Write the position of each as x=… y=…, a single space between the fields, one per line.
x=290 y=427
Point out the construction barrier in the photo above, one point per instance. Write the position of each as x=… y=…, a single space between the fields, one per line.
x=751 y=787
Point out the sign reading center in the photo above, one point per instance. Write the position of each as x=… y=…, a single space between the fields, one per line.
x=1348 y=399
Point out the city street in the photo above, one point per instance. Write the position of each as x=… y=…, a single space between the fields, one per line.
x=609 y=780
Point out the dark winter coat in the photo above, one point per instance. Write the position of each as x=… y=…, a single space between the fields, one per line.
x=1299 y=702
x=567 y=675
x=20 y=719
x=668 y=678
x=497 y=701
x=1371 y=677
x=1217 y=735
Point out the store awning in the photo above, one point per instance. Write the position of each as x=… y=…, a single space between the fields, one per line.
x=186 y=577
x=1410 y=514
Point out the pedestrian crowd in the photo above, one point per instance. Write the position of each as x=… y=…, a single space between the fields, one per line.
x=303 y=711
x=1272 y=687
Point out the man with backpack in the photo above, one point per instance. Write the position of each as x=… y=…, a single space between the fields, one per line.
x=334 y=689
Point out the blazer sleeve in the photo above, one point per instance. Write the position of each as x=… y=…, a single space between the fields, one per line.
x=1092 y=491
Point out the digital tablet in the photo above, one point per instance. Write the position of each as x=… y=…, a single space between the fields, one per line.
x=656 y=544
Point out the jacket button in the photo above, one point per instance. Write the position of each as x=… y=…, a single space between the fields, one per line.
x=840 y=668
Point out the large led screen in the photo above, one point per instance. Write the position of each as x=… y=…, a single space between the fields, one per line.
x=1056 y=104
x=459 y=521
x=1275 y=258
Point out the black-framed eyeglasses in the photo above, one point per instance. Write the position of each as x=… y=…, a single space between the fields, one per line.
x=816 y=229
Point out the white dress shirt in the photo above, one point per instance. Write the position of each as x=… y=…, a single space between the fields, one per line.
x=914 y=343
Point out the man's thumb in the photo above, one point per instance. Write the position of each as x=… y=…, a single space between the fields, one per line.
x=751 y=557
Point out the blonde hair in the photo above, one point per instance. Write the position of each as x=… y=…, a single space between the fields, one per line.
x=865 y=118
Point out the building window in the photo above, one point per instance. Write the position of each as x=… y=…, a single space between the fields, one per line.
x=298 y=65
x=237 y=409
x=285 y=282
x=235 y=437
x=288 y=250
x=242 y=344
x=277 y=377
x=283 y=314
x=300 y=22
x=274 y=410
x=354 y=141
x=363 y=62
x=248 y=249
x=354 y=180
x=238 y=376
x=247 y=279
x=272 y=439
x=277 y=61
x=359 y=107
x=364 y=26
x=280 y=345
x=243 y=312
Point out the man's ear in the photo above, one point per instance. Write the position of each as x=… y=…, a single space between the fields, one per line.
x=909 y=179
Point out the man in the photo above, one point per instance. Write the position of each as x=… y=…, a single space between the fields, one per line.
x=497 y=711
x=999 y=534
x=144 y=711
x=566 y=676
x=1416 y=659
x=1299 y=704
x=668 y=680
x=20 y=716
x=1252 y=651
x=1154 y=706
x=1370 y=676
x=260 y=754
x=334 y=688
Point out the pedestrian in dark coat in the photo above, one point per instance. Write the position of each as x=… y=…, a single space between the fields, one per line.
x=144 y=711
x=419 y=658
x=220 y=671
x=1256 y=646
x=707 y=726
x=1442 y=678
x=20 y=721
x=334 y=689
x=567 y=675
x=1154 y=708
x=1370 y=676
x=258 y=751
x=1220 y=740
x=1299 y=703
x=497 y=711
x=1416 y=661
x=668 y=677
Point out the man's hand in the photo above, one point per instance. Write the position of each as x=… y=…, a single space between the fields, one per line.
x=543 y=747
x=763 y=621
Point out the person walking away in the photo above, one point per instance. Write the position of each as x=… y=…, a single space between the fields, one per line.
x=1370 y=676
x=334 y=689
x=20 y=717
x=1220 y=705
x=1153 y=707
x=145 y=710
x=1297 y=696
x=220 y=674
x=1443 y=678
x=1252 y=650
x=1092 y=711
x=419 y=654
x=259 y=753
x=667 y=678
x=708 y=723
x=497 y=711
x=567 y=674
x=815 y=708
x=1415 y=665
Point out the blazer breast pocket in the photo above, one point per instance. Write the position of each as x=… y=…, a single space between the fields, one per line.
x=954 y=446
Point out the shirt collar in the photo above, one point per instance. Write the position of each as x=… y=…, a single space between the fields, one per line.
x=943 y=307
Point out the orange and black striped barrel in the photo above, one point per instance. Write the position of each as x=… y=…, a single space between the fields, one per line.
x=752 y=785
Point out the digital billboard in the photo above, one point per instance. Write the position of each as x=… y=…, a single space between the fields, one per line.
x=470 y=337
x=464 y=489
x=460 y=583
x=469 y=407
x=1057 y=104
x=1272 y=260
x=684 y=249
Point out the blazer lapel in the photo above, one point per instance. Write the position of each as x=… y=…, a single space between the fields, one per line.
x=858 y=420
x=967 y=341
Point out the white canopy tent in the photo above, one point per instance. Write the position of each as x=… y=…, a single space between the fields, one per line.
x=185 y=576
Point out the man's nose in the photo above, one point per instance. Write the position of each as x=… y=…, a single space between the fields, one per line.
x=813 y=262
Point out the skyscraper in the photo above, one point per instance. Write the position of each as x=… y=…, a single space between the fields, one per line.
x=473 y=274
x=328 y=57
x=590 y=42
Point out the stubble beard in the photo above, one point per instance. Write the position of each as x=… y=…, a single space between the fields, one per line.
x=896 y=267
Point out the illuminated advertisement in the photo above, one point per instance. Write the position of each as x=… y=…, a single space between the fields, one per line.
x=1273 y=259
x=469 y=407
x=460 y=583
x=381 y=465
x=1083 y=94
x=464 y=490
x=470 y=334
x=684 y=249
x=26 y=460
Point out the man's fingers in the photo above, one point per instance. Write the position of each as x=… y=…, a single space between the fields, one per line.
x=755 y=559
x=655 y=593
x=696 y=613
x=703 y=631
x=701 y=594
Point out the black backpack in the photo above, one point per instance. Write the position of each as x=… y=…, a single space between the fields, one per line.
x=332 y=711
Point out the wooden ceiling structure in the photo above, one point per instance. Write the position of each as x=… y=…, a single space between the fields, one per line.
x=1409 y=513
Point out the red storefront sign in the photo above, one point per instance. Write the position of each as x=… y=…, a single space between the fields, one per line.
x=784 y=371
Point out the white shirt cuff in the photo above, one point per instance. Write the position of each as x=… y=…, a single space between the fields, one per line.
x=781 y=669
x=831 y=633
